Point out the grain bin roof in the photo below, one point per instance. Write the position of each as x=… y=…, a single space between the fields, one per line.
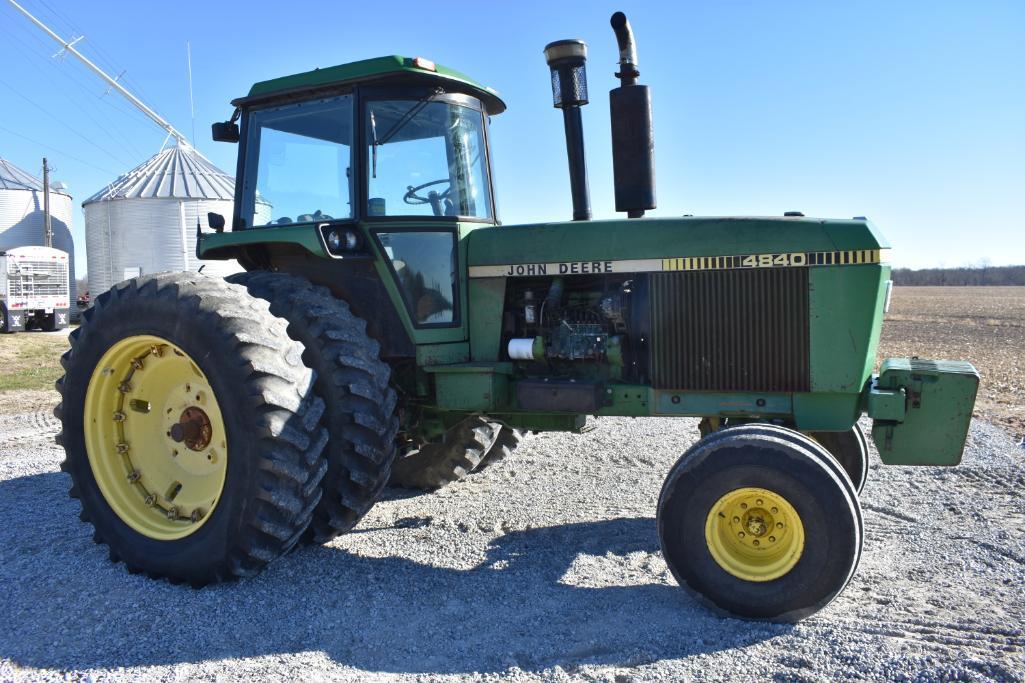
x=13 y=178
x=178 y=172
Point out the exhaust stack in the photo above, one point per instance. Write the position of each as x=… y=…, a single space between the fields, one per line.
x=633 y=137
x=566 y=59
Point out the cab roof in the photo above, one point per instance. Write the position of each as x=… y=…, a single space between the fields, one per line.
x=379 y=69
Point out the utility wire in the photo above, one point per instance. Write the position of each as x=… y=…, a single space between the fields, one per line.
x=117 y=137
x=58 y=120
x=103 y=56
x=60 y=151
x=116 y=104
x=160 y=121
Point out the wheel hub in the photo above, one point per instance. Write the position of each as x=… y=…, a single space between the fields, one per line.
x=754 y=534
x=155 y=437
x=193 y=427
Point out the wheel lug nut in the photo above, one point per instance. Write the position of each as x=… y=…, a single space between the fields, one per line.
x=772 y=539
x=774 y=511
x=758 y=502
x=755 y=542
x=736 y=520
x=740 y=534
x=779 y=525
x=743 y=506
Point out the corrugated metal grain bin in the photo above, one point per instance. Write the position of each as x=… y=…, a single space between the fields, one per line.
x=145 y=221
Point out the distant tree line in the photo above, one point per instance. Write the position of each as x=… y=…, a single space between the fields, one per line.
x=965 y=275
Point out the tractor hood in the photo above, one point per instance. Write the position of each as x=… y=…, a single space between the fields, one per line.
x=659 y=244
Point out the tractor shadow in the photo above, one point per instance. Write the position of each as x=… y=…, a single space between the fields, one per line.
x=64 y=606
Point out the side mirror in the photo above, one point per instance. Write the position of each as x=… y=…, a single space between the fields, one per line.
x=215 y=221
x=225 y=131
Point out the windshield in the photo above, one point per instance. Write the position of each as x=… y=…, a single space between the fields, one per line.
x=426 y=158
x=299 y=160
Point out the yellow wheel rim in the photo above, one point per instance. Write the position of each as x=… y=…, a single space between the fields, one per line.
x=754 y=534
x=155 y=437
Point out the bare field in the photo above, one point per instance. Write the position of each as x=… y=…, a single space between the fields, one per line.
x=984 y=325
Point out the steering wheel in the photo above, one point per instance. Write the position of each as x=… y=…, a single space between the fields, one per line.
x=433 y=198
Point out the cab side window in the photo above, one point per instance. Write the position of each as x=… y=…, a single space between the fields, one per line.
x=425 y=268
x=300 y=160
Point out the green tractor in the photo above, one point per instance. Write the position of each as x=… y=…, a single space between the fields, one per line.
x=389 y=328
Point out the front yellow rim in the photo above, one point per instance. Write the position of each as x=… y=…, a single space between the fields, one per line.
x=754 y=534
x=155 y=437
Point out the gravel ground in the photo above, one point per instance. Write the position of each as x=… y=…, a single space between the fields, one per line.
x=545 y=566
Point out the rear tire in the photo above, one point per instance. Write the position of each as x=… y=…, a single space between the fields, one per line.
x=144 y=339
x=701 y=539
x=353 y=382
x=458 y=453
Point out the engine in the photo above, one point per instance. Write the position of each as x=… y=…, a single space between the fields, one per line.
x=565 y=322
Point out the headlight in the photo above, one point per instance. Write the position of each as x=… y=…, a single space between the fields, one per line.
x=334 y=240
x=341 y=241
x=351 y=240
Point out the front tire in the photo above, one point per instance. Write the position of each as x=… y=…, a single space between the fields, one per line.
x=760 y=525
x=190 y=428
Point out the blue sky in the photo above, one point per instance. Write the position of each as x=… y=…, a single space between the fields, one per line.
x=910 y=113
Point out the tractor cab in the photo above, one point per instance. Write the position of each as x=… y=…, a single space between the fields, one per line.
x=381 y=166
x=377 y=139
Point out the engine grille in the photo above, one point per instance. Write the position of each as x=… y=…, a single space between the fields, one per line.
x=731 y=330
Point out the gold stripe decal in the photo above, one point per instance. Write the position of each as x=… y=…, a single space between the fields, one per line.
x=794 y=259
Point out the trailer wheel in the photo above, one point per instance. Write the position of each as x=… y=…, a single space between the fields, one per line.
x=353 y=382
x=190 y=428
x=760 y=525
x=507 y=441
x=850 y=449
x=435 y=465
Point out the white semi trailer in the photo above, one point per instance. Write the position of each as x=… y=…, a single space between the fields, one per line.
x=34 y=289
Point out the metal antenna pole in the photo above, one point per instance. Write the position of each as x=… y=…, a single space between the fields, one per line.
x=159 y=120
x=192 y=101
